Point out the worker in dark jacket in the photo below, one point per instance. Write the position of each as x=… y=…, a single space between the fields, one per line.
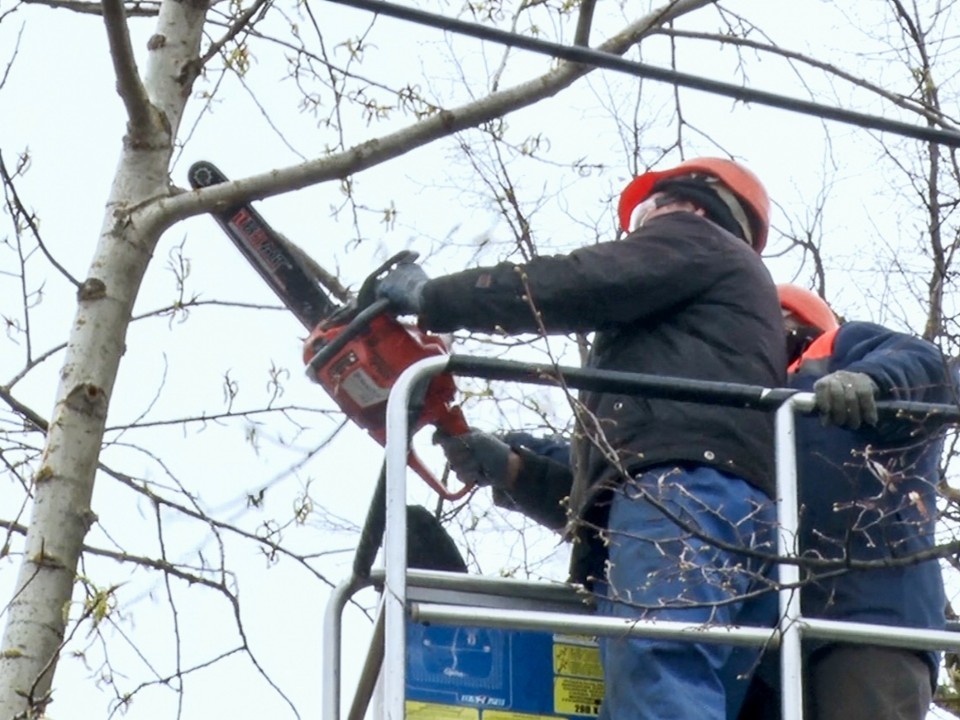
x=868 y=492
x=683 y=294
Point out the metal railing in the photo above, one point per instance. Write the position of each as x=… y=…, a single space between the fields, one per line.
x=388 y=647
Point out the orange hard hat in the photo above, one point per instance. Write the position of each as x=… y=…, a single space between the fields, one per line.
x=809 y=308
x=745 y=186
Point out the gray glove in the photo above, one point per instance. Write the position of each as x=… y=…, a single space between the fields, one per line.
x=476 y=457
x=403 y=286
x=846 y=399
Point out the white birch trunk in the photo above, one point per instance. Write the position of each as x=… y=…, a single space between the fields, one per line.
x=63 y=484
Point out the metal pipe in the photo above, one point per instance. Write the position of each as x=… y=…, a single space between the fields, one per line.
x=395 y=541
x=723 y=393
x=332 y=643
x=370 y=671
x=671 y=388
x=788 y=546
x=501 y=587
x=590 y=624
x=886 y=635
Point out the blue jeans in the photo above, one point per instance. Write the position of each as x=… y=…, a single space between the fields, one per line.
x=661 y=569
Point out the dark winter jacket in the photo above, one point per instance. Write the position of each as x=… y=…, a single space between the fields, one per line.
x=542 y=489
x=679 y=297
x=871 y=494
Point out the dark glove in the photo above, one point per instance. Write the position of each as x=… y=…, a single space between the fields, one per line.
x=846 y=399
x=476 y=457
x=403 y=286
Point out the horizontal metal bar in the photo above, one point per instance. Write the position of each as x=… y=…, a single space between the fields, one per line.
x=672 y=388
x=886 y=635
x=590 y=625
x=811 y=628
x=503 y=587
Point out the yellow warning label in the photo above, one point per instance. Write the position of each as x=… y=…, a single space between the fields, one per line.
x=578 y=660
x=435 y=711
x=577 y=696
x=507 y=715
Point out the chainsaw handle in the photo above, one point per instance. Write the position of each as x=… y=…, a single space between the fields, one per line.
x=451 y=422
x=416 y=464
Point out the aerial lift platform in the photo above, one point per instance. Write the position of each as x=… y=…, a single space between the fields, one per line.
x=450 y=646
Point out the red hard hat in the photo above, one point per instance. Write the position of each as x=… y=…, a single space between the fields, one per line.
x=741 y=182
x=809 y=307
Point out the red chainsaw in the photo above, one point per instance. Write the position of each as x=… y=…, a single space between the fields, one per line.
x=356 y=350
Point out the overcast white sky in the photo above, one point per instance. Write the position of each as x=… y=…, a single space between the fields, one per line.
x=59 y=104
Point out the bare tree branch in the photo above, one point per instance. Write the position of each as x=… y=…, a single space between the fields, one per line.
x=132 y=8
x=442 y=124
x=129 y=86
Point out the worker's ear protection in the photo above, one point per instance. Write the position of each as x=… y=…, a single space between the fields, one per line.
x=799 y=338
x=640 y=212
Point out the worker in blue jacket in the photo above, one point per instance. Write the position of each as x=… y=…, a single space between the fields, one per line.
x=868 y=492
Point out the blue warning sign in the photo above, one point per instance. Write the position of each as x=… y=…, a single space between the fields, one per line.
x=523 y=672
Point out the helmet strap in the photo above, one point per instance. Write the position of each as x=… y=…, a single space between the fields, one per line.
x=736 y=209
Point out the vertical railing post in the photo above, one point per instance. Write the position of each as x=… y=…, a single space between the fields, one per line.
x=395 y=535
x=332 y=679
x=788 y=573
